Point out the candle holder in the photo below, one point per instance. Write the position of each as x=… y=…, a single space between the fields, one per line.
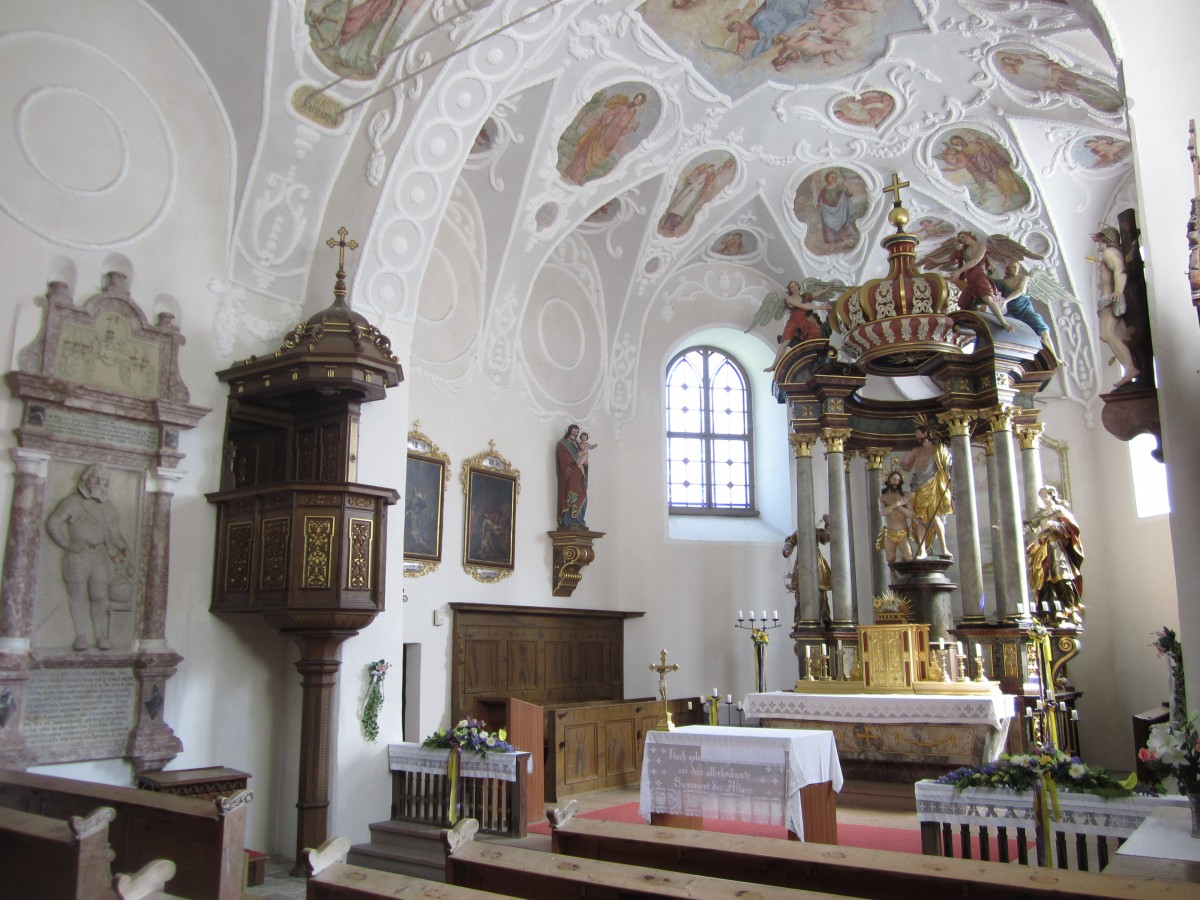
x=979 y=676
x=758 y=634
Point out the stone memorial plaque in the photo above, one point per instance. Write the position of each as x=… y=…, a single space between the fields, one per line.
x=76 y=713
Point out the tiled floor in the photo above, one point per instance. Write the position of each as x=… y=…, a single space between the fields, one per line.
x=858 y=804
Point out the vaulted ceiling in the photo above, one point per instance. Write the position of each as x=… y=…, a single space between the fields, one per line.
x=643 y=153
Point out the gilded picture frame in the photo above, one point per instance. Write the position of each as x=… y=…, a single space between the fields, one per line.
x=490 y=486
x=426 y=476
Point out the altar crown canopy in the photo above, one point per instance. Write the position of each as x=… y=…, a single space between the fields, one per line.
x=895 y=323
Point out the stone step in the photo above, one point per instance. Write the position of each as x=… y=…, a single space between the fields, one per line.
x=392 y=858
x=418 y=841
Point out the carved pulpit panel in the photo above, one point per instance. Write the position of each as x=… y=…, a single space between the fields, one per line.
x=85 y=664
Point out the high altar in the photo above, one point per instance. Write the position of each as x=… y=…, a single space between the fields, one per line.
x=903 y=696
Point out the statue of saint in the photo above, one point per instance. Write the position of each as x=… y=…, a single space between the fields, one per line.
x=929 y=466
x=1111 y=305
x=824 y=573
x=896 y=509
x=572 y=480
x=1055 y=557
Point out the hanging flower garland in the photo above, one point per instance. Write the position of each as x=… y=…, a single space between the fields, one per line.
x=374 y=701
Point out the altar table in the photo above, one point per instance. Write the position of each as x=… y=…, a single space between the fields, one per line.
x=917 y=735
x=766 y=776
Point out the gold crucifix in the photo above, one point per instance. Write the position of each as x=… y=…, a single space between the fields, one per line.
x=894 y=188
x=664 y=722
x=342 y=245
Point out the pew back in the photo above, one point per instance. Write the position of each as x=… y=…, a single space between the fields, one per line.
x=345 y=882
x=205 y=839
x=53 y=859
x=848 y=871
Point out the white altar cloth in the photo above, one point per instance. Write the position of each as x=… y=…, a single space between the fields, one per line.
x=985 y=709
x=415 y=758
x=744 y=774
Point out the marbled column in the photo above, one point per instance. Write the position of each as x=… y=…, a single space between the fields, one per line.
x=1030 y=438
x=996 y=601
x=1016 y=588
x=966 y=518
x=808 y=602
x=18 y=584
x=849 y=460
x=161 y=484
x=842 y=602
x=879 y=569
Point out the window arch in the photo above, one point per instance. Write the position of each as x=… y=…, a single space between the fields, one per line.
x=709 y=435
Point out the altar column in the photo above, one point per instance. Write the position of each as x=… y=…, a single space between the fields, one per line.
x=879 y=569
x=1030 y=437
x=808 y=603
x=853 y=569
x=841 y=603
x=1008 y=517
x=966 y=518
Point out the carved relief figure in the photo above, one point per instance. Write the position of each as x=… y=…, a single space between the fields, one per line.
x=87 y=527
x=352 y=37
x=608 y=126
x=699 y=184
x=830 y=202
x=976 y=161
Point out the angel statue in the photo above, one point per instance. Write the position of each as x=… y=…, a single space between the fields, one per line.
x=801 y=300
x=970 y=259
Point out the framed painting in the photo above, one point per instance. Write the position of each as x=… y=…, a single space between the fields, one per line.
x=491 y=486
x=428 y=471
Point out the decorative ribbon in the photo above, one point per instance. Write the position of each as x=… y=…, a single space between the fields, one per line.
x=453 y=767
x=1043 y=812
x=760 y=651
x=714 y=710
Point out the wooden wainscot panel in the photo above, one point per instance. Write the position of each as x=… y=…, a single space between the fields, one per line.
x=482 y=663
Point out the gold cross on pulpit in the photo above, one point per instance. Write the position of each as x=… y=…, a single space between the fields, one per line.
x=664 y=722
x=342 y=245
x=894 y=189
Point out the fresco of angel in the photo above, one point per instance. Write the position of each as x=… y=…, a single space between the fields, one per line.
x=799 y=303
x=969 y=260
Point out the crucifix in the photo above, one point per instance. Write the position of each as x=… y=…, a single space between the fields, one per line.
x=664 y=722
x=339 y=288
x=894 y=189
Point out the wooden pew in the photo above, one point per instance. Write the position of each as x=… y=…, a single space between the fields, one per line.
x=204 y=838
x=850 y=871
x=535 y=875
x=53 y=859
x=330 y=878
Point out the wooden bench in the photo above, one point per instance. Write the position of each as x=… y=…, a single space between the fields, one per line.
x=536 y=875
x=330 y=878
x=204 y=839
x=52 y=858
x=850 y=871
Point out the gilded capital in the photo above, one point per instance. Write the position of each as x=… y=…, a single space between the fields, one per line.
x=835 y=439
x=959 y=421
x=1030 y=435
x=1001 y=416
x=801 y=445
x=988 y=443
x=875 y=457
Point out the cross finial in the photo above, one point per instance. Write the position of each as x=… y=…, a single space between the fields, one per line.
x=342 y=245
x=894 y=188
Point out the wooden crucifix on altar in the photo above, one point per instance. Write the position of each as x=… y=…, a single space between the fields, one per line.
x=664 y=722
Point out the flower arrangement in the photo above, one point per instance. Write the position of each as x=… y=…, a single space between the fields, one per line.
x=760 y=637
x=1167 y=644
x=374 y=700
x=470 y=735
x=1173 y=748
x=1023 y=771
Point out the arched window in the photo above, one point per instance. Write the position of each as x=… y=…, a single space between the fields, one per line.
x=709 y=452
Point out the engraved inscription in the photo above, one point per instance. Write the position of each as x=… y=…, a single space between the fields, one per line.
x=359 y=575
x=237 y=556
x=67 y=708
x=94 y=429
x=275 y=536
x=106 y=355
x=318 y=550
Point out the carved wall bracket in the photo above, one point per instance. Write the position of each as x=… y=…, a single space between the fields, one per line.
x=572 y=551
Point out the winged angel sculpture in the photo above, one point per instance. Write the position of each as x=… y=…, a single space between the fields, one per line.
x=801 y=300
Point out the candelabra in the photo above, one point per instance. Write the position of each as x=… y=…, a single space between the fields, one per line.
x=758 y=633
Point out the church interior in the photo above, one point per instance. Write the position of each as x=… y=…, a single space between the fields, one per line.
x=479 y=224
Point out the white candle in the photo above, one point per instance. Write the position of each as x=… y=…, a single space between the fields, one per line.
x=729 y=698
x=839 y=649
x=959 y=645
x=715 y=693
x=740 y=615
x=941 y=644
x=740 y=706
x=764 y=616
x=1075 y=715
x=808 y=651
x=979 y=649
x=775 y=614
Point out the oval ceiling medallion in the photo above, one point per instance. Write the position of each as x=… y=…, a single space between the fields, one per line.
x=612 y=123
x=830 y=202
x=969 y=158
x=1100 y=151
x=867 y=110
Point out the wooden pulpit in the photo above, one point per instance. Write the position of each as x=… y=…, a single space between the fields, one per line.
x=525 y=725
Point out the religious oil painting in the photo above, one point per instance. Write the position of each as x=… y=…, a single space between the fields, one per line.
x=490 y=519
x=738 y=45
x=830 y=202
x=352 y=38
x=423 y=503
x=701 y=180
x=932 y=228
x=612 y=123
x=1037 y=72
x=735 y=243
x=1100 y=151
x=867 y=110
x=970 y=158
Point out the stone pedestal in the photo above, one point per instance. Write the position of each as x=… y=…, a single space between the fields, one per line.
x=925 y=584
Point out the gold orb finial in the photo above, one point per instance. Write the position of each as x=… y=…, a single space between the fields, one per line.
x=898 y=216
